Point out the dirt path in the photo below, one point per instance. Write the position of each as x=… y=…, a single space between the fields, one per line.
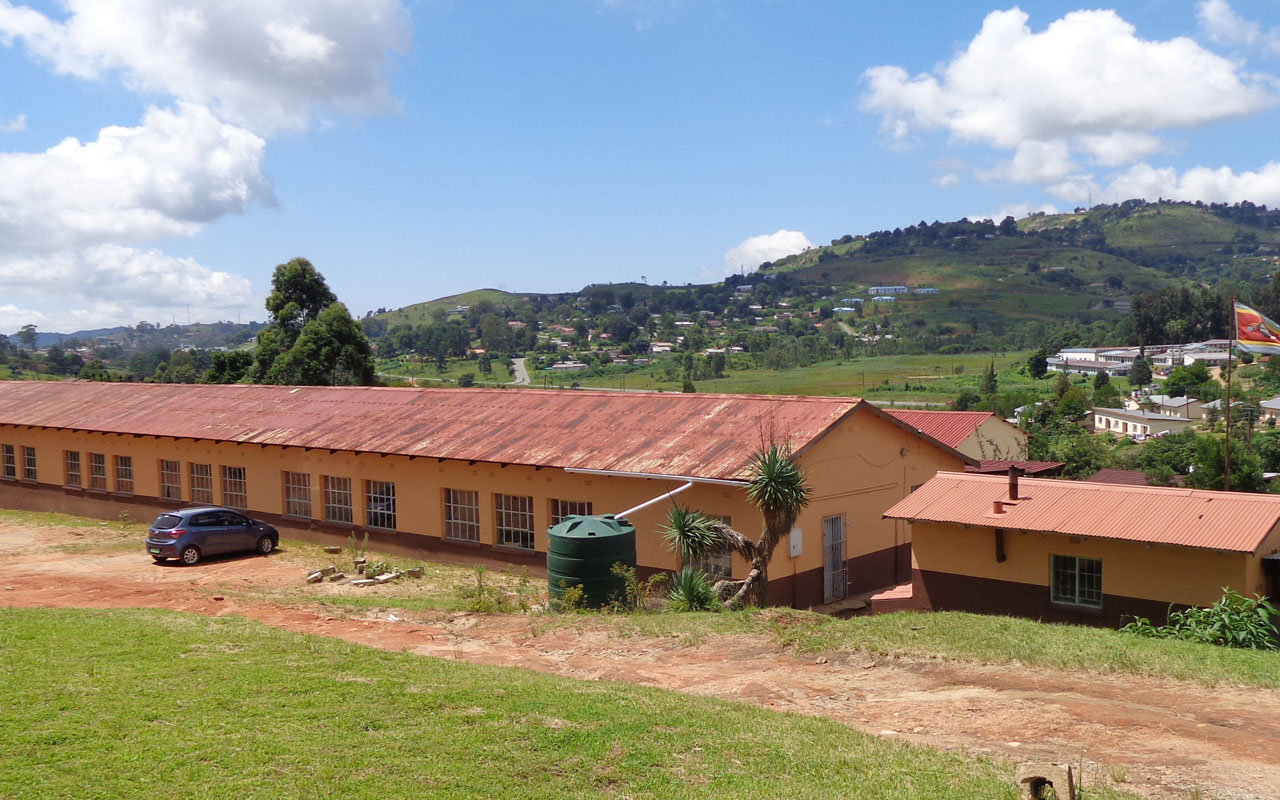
x=1157 y=738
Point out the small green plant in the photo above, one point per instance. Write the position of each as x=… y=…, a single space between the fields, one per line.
x=637 y=595
x=571 y=600
x=692 y=590
x=1233 y=621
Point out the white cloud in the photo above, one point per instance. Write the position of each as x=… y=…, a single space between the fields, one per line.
x=1212 y=185
x=170 y=176
x=1016 y=210
x=1085 y=86
x=267 y=65
x=769 y=247
x=15 y=125
x=1223 y=25
x=947 y=181
x=71 y=215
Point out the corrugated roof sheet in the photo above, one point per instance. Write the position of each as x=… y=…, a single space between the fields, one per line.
x=1132 y=477
x=700 y=435
x=949 y=427
x=1235 y=521
x=993 y=467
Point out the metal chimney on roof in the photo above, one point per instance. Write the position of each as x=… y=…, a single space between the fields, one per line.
x=1014 y=472
x=997 y=507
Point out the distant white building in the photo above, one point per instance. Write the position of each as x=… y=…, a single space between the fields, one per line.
x=883 y=299
x=888 y=290
x=925 y=290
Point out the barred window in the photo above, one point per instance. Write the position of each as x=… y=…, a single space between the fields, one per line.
x=98 y=471
x=28 y=463
x=515 y=520
x=1076 y=581
x=567 y=508
x=337 y=500
x=235 y=490
x=718 y=567
x=202 y=484
x=72 y=459
x=170 y=480
x=124 y=474
x=10 y=462
x=380 y=504
x=462 y=515
x=297 y=494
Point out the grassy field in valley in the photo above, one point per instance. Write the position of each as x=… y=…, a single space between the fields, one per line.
x=107 y=704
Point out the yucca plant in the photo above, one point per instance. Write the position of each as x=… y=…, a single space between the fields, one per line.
x=692 y=590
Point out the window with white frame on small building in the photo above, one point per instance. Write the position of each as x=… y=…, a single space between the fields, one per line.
x=1076 y=581
x=297 y=494
x=9 y=459
x=514 y=520
x=462 y=515
x=71 y=469
x=337 y=500
x=235 y=488
x=124 y=474
x=380 y=504
x=202 y=483
x=98 y=471
x=170 y=480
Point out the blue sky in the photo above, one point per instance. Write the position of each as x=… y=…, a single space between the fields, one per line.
x=159 y=157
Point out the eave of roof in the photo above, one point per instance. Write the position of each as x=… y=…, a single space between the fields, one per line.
x=949 y=427
x=1230 y=521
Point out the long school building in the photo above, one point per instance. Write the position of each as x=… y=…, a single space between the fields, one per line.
x=474 y=471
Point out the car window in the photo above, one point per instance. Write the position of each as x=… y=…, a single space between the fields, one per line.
x=166 y=522
x=204 y=520
x=232 y=518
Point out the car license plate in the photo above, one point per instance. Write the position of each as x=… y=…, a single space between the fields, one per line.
x=155 y=549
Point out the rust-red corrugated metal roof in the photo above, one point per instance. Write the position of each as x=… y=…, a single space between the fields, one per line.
x=700 y=435
x=993 y=467
x=1236 y=521
x=1133 y=477
x=949 y=427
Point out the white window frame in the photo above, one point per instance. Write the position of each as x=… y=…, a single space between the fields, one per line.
x=124 y=474
x=338 y=500
x=98 y=471
x=297 y=494
x=29 y=464
x=235 y=488
x=201 y=482
x=462 y=515
x=170 y=479
x=10 y=463
x=1070 y=585
x=380 y=504
x=513 y=514
x=72 y=469
x=568 y=508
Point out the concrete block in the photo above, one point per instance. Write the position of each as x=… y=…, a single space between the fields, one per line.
x=337 y=576
x=315 y=577
x=329 y=570
x=333 y=548
x=415 y=572
x=363 y=582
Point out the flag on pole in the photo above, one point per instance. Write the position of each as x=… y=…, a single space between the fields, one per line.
x=1256 y=333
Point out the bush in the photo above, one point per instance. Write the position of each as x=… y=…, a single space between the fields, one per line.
x=692 y=590
x=1233 y=621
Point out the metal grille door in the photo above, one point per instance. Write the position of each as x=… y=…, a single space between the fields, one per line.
x=835 y=576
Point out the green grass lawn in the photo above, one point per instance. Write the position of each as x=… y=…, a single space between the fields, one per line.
x=978 y=638
x=110 y=704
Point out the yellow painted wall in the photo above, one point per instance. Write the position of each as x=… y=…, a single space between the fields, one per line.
x=1130 y=569
x=1255 y=577
x=860 y=469
x=997 y=440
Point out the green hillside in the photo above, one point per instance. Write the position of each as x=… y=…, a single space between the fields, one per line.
x=420 y=313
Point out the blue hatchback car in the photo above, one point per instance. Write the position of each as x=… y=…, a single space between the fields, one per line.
x=190 y=534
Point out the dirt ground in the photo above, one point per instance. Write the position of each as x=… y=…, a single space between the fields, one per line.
x=1159 y=739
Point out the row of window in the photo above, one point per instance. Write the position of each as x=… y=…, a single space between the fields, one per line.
x=73 y=474
x=9 y=462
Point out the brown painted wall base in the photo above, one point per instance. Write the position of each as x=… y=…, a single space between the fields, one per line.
x=944 y=591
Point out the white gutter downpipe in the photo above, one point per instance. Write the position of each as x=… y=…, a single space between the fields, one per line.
x=657 y=499
x=688 y=479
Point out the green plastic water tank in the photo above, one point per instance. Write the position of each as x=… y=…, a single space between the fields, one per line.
x=582 y=550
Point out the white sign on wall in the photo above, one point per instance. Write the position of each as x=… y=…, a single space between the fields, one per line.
x=797 y=542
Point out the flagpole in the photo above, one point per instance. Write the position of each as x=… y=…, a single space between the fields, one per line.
x=1231 y=345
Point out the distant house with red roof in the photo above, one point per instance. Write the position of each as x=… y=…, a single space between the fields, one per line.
x=978 y=434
